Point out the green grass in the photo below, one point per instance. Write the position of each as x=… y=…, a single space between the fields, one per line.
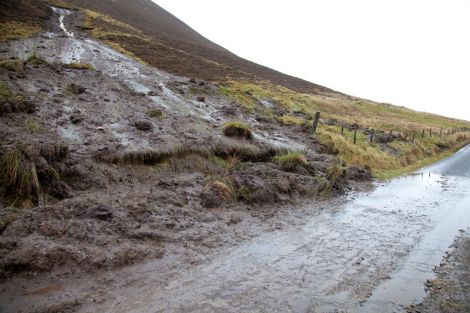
x=34 y=59
x=33 y=126
x=4 y=90
x=290 y=160
x=237 y=129
x=155 y=113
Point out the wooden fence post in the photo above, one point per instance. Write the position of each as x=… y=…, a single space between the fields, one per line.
x=430 y=133
x=422 y=135
x=413 y=139
x=315 y=122
x=342 y=129
x=390 y=135
x=372 y=136
x=440 y=132
x=354 y=138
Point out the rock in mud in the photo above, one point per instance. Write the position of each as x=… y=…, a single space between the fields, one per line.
x=143 y=125
x=101 y=212
x=358 y=174
x=76 y=118
x=75 y=89
x=152 y=93
x=201 y=99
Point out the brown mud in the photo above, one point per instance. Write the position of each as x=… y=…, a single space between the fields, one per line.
x=134 y=173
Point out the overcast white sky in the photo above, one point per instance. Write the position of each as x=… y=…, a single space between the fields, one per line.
x=414 y=53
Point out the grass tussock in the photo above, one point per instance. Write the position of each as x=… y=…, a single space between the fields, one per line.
x=18 y=173
x=14 y=65
x=5 y=91
x=14 y=30
x=237 y=129
x=35 y=60
x=291 y=160
x=291 y=120
x=79 y=66
x=233 y=152
x=155 y=113
x=33 y=126
x=28 y=171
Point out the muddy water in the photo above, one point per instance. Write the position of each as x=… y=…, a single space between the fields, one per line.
x=371 y=255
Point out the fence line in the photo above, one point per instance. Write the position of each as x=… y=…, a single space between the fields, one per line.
x=373 y=132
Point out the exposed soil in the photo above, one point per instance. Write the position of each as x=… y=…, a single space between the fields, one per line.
x=117 y=186
x=449 y=292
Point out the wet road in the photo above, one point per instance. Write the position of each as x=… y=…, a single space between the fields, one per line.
x=373 y=254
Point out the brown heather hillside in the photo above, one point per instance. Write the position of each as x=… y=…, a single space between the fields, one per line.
x=182 y=50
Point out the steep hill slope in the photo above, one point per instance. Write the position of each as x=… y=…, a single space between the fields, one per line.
x=109 y=159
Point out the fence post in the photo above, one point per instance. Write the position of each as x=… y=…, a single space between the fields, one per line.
x=422 y=134
x=440 y=132
x=342 y=129
x=372 y=136
x=390 y=135
x=315 y=122
x=430 y=133
x=447 y=132
x=413 y=139
x=354 y=138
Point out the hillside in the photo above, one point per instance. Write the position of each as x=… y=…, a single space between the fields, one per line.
x=126 y=137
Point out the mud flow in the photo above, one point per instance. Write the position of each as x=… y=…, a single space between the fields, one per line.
x=371 y=255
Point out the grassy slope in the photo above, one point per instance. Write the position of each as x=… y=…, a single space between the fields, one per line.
x=386 y=160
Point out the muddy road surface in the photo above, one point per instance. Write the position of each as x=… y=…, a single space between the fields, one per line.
x=372 y=254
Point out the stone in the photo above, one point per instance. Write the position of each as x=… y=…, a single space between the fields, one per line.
x=143 y=125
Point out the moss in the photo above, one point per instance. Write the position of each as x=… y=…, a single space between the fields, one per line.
x=237 y=129
x=13 y=30
x=79 y=66
x=291 y=160
x=34 y=59
x=155 y=113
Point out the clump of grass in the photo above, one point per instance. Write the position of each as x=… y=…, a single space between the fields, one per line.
x=18 y=173
x=33 y=126
x=244 y=194
x=155 y=113
x=79 y=66
x=34 y=59
x=27 y=171
x=13 y=30
x=5 y=92
x=14 y=65
x=291 y=120
x=237 y=129
x=291 y=160
x=240 y=152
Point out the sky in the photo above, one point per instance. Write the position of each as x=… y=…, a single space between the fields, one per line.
x=414 y=53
